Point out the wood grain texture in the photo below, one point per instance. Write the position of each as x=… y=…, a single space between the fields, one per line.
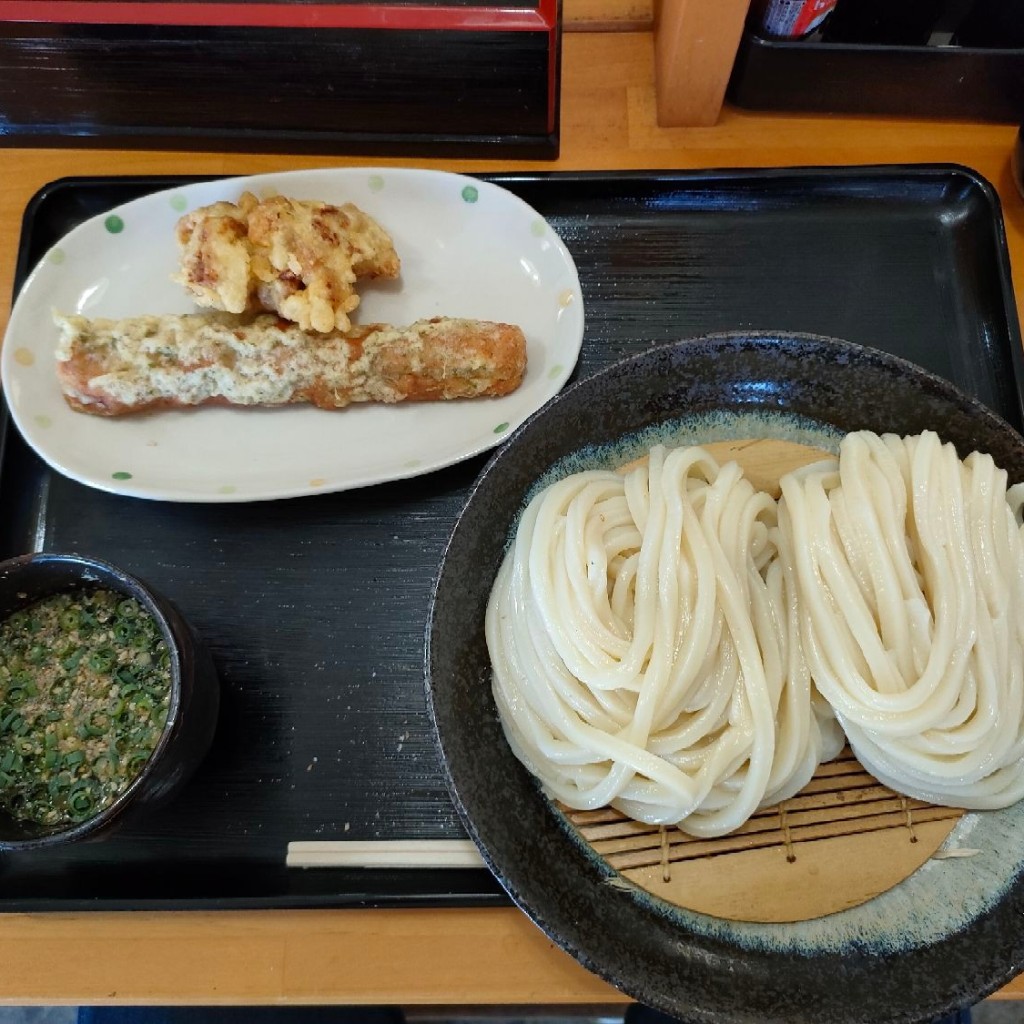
x=310 y=957
x=695 y=46
x=453 y=956
x=762 y=885
x=607 y=15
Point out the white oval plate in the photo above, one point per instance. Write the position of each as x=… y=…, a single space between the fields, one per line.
x=468 y=249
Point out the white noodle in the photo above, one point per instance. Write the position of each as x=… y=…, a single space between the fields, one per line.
x=911 y=593
x=675 y=644
x=646 y=652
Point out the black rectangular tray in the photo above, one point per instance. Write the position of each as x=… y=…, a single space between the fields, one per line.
x=315 y=608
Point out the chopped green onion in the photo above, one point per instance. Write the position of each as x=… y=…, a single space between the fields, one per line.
x=125 y=677
x=123 y=632
x=84 y=698
x=102 y=660
x=71 y=663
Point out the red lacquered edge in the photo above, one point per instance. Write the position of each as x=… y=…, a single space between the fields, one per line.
x=548 y=9
x=283 y=15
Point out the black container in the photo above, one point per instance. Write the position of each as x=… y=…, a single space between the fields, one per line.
x=881 y=22
x=995 y=23
x=192 y=712
x=434 y=78
x=957 y=82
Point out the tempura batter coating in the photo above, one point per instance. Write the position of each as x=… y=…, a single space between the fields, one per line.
x=298 y=258
x=116 y=367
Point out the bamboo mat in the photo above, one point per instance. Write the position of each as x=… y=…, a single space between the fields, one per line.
x=843 y=839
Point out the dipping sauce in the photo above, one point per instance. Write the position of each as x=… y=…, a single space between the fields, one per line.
x=85 y=683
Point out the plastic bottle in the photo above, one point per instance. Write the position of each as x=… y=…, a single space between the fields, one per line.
x=790 y=19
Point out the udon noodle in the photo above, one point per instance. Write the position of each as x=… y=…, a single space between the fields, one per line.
x=644 y=636
x=911 y=583
x=674 y=643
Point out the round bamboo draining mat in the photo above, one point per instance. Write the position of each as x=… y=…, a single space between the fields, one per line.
x=842 y=840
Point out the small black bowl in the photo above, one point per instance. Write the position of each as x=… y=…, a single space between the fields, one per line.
x=192 y=712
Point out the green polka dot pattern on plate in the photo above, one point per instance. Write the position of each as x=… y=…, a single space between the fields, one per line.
x=178 y=202
x=555 y=371
x=471 y=193
x=227 y=489
x=43 y=420
x=501 y=428
x=538 y=227
x=121 y=474
x=376 y=182
x=57 y=256
x=114 y=224
x=411 y=464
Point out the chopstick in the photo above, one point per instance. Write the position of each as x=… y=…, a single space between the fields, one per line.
x=392 y=853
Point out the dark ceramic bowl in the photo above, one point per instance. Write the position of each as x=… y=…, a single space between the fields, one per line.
x=940 y=940
x=192 y=713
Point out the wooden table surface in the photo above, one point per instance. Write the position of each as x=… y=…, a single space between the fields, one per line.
x=416 y=957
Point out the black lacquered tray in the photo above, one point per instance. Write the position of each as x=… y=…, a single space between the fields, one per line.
x=315 y=608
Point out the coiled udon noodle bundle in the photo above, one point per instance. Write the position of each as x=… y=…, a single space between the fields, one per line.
x=911 y=578
x=673 y=643
x=646 y=650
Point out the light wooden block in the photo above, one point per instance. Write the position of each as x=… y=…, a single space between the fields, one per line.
x=695 y=44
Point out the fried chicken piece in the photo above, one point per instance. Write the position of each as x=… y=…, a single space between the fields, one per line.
x=116 y=367
x=216 y=257
x=298 y=258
